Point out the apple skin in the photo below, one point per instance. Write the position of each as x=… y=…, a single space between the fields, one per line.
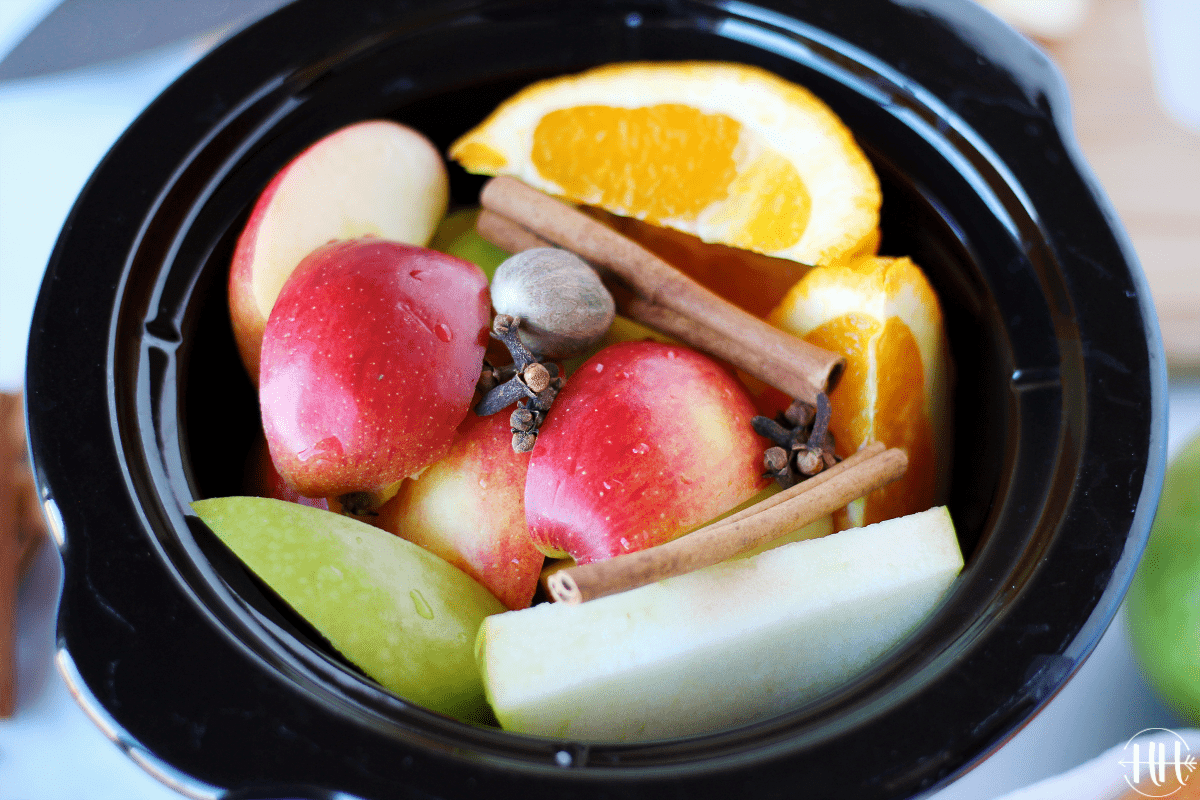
x=469 y=508
x=401 y=614
x=375 y=178
x=369 y=363
x=263 y=480
x=457 y=236
x=645 y=442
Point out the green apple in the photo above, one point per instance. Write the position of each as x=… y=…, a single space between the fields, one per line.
x=719 y=647
x=404 y=616
x=1163 y=604
x=456 y=236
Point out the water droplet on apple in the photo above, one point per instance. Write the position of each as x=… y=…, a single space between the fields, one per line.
x=599 y=367
x=641 y=448
x=443 y=332
x=421 y=604
x=328 y=448
x=625 y=543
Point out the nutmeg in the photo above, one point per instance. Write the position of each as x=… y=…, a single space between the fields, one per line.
x=563 y=306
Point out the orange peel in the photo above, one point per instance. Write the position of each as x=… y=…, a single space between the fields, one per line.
x=729 y=153
x=882 y=314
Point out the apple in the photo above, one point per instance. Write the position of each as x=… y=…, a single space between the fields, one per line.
x=457 y=236
x=1164 y=599
x=401 y=614
x=646 y=441
x=369 y=363
x=723 y=646
x=469 y=508
x=263 y=480
x=371 y=178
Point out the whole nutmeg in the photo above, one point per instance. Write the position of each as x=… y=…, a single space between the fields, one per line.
x=563 y=307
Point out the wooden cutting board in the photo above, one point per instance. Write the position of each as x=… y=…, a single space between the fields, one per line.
x=1147 y=163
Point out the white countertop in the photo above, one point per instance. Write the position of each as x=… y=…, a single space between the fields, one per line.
x=54 y=130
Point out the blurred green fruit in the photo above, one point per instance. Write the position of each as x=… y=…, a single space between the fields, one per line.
x=1164 y=601
x=456 y=236
x=406 y=617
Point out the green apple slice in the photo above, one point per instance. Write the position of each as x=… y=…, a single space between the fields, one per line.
x=727 y=645
x=406 y=617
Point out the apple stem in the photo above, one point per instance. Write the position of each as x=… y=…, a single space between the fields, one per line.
x=360 y=504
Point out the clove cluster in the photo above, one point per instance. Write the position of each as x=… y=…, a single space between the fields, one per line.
x=530 y=383
x=803 y=443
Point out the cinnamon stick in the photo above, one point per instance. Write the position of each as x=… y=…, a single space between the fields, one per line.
x=511 y=236
x=22 y=530
x=799 y=369
x=798 y=506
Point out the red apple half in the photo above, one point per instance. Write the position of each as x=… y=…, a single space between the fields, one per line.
x=645 y=442
x=369 y=362
x=371 y=178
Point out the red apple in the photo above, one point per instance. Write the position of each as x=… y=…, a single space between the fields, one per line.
x=372 y=178
x=369 y=362
x=645 y=442
x=263 y=480
x=469 y=508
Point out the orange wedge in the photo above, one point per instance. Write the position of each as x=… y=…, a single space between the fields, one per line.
x=883 y=316
x=726 y=152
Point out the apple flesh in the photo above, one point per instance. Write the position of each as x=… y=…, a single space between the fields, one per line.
x=645 y=442
x=724 y=646
x=371 y=178
x=404 y=616
x=469 y=508
x=369 y=363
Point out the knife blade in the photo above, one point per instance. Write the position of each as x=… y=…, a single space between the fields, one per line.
x=81 y=33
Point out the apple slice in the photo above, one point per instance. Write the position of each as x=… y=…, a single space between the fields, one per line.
x=404 y=616
x=469 y=508
x=372 y=178
x=723 y=646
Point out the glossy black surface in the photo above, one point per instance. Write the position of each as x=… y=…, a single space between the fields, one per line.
x=138 y=403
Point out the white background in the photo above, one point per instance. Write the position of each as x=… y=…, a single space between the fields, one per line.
x=53 y=131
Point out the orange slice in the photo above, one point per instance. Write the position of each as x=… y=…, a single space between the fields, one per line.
x=729 y=153
x=883 y=316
